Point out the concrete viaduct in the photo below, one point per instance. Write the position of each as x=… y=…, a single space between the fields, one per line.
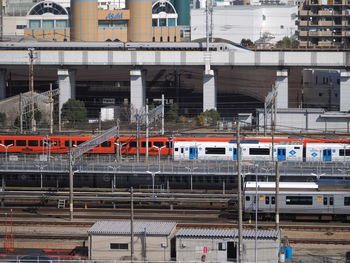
x=67 y=63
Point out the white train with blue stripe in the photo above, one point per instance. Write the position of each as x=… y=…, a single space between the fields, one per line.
x=212 y=151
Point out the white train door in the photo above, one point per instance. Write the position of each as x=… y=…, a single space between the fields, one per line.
x=328 y=203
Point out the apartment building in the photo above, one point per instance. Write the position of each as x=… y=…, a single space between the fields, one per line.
x=324 y=24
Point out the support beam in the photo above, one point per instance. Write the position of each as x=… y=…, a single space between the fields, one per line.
x=66 y=84
x=2 y=84
x=137 y=91
x=282 y=88
x=209 y=90
x=344 y=90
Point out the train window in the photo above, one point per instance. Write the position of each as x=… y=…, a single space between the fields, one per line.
x=143 y=144
x=325 y=200
x=66 y=143
x=212 y=150
x=132 y=144
x=347 y=200
x=345 y=152
x=33 y=143
x=247 y=198
x=21 y=143
x=8 y=142
x=273 y=200
x=176 y=149
x=106 y=144
x=259 y=151
x=299 y=200
x=182 y=150
x=158 y=144
x=80 y=142
x=267 y=200
x=169 y=144
x=297 y=148
x=331 y=201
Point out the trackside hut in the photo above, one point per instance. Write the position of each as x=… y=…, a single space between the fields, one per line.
x=221 y=245
x=111 y=240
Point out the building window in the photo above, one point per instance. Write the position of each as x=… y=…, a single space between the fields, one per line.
x=162 y=22
x=171 y=22
x=119 y=246
x=34 y=24
x=61 y=23
x=221 y=246
x=154 y=22
x=21 y=26
x=347 y=201
x=48 y=24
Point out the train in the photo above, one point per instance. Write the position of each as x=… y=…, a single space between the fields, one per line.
x=124 y=46
x=190 y=148
x=303 y=201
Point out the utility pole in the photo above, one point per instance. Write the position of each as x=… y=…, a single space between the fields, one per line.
x=147 y=127
x=163 y=104
x=1 y=21
x=51 y=110
x=31 y=85
x=240 y=216
x=71 y=181
x=277 y=208
x=207 y=23
x=132 y=223
x=211 y=21
x=137 y=136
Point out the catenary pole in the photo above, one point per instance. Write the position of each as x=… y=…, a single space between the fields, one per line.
x=239 y=186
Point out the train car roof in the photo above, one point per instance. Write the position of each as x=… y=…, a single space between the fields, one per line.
x=282 y=185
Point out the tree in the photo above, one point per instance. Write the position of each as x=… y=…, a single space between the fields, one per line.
x=172 y=114
x=209 y=117
x=287 y=42
x=247 y=43
x=74 y=111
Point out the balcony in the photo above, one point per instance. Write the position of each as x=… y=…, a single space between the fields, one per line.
x=303 y=23
x=345 y=23
x=325 y=43
x=346 y=33
x=303 y=13
x=303 y=33
x=325 y=13
x=325 y=23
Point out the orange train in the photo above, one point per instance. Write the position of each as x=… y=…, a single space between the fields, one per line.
x=60 y=144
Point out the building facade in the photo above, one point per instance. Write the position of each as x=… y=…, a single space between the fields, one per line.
x=249 y=22
x=110 y=240
x=324 y=23
x=85 y=20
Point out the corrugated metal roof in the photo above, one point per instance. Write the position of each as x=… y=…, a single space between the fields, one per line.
x=226 y=233
x=122 y=227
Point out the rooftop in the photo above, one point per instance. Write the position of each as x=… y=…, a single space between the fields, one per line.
x=226 y=233
x=123 y=227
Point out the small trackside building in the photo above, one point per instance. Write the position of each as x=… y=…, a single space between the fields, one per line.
x=111 y=240
x=221 y=245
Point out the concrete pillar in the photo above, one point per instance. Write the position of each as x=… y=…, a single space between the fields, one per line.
x=2 y=84
x=66 y=84
x=137 y=91
x=344 y=90
x=282 y=88
x=209 y=90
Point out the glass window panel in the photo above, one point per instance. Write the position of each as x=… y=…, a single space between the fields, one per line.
x=48 y=24
x=162 y=22
x=34 y=23
x=171 y=21
x=61 y=23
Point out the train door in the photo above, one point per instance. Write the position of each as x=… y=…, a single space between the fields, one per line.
x=193 y=153
x=327 y=155
x=281 y=154
x=234 y=151
x=270 y=201
x=328 y=203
